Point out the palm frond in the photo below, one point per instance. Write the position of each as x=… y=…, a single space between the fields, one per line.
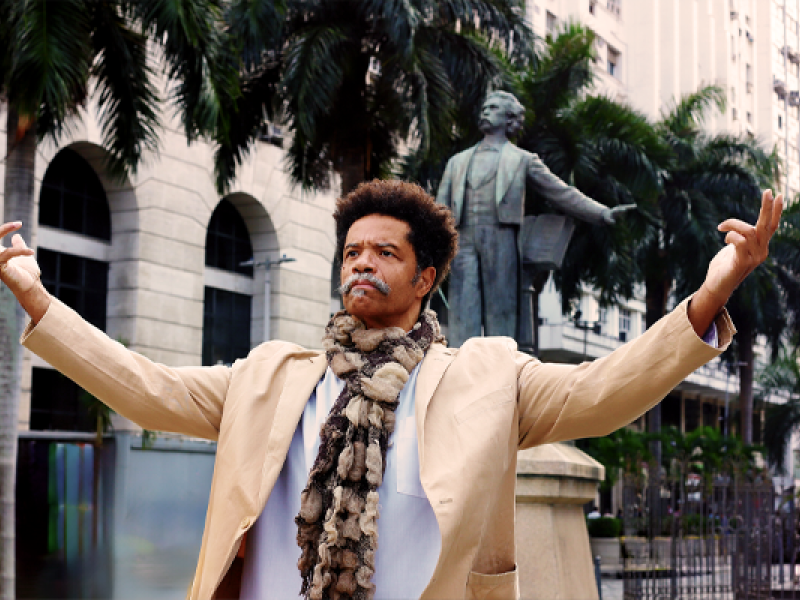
x=50 y=63
x=685 y=117
x=313 y=73
x=198 y=60
x=126 y=97
x=257 y=26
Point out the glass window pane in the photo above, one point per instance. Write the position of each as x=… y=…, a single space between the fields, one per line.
x=72 y=197
x=48 y=263
x=228 y=241
x=71 y=272
x=226 y=326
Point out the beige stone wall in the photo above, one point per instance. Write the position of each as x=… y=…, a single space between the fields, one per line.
x=159 y=218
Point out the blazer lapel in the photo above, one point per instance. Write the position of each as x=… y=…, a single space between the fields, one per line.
x=302 y=377
x=433 y=367
x=510 y=157
x=460 y=180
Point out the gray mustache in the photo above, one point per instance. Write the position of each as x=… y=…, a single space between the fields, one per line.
x=380 y=285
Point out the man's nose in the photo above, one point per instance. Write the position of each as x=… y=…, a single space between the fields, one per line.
x=364 y=263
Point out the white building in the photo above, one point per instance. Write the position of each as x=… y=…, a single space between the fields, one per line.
x=649 y=54
x=165 y=263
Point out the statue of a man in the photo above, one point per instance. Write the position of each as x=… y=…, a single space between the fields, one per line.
x=484 y=186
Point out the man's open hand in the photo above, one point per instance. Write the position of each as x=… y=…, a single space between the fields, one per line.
x=19 y=271
x=746 y=247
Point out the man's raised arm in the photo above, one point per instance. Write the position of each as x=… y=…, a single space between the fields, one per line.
x=746 y=247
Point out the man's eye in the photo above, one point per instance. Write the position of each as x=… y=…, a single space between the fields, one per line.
x=387 y=253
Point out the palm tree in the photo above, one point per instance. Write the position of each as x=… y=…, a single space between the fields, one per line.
x=707 y=177
x=606 y=149
x=54 y=53
x=783 y=375
x=356 y=80
x=766 y=303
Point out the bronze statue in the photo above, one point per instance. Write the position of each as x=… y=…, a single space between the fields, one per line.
x=484 y=186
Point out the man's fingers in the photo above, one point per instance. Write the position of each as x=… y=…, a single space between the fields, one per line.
x=7 y=228
x=777 y=209
x=736 y=225
x=735 y=238
x=9 y=253
x=18 y=242
x=770 y=214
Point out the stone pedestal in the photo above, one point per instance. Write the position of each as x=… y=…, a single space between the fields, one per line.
x=553 y=554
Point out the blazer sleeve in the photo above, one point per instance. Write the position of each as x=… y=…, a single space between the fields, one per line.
x=563 y=402
x=562 y=196
x=185 y=400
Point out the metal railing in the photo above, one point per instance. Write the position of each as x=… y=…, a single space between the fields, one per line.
x=716 y=539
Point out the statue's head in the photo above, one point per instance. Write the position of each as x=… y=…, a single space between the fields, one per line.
x=515 y=112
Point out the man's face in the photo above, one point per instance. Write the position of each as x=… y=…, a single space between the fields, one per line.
x=493 y=116
x=377 y=245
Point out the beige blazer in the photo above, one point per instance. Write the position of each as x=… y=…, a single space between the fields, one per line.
x=475 y=407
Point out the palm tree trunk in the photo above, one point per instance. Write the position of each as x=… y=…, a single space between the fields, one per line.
x=657 y=286
x=20 y=157
x=351 y=167
x=10 y=371
x=745 y=342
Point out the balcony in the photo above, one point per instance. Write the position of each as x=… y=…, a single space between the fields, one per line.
x=791 y=54
x=779 y=85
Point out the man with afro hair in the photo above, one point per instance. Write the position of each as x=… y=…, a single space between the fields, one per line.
x=387 y=435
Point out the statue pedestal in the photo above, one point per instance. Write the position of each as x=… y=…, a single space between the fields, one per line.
x=553 y=555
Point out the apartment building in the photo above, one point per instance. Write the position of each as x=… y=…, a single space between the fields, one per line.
x=650 y=54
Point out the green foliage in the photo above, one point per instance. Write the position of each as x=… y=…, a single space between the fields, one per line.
x=624 y=451
x=352 y=80
x=704 y=451
x=604 y=527
x=783 y=375
x=609 y=151
x=56 y=51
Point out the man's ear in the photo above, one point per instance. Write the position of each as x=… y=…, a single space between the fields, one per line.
x=425 y=281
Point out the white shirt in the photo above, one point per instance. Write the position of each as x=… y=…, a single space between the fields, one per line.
x=408 y=533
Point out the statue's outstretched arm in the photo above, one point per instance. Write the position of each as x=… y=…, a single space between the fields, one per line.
x=565 y=197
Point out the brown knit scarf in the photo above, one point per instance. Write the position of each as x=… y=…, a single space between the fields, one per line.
x=337 y=528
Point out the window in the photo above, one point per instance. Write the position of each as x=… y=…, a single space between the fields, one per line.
x=613 y=62
x=624 y=324
x=228 y=241
x=780 y=122
x=79 y=282
x=551 y=24
x=592 y=7
x=227 y=313
x=226 y=326
x=72 y=199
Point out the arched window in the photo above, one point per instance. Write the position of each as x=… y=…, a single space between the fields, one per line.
x=74 y=236
x=227 y=241
x=73 y=199
x=226 y=310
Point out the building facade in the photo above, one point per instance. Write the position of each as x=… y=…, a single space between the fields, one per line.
x=184 y=276
x=650 y=54
x=166 y=265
